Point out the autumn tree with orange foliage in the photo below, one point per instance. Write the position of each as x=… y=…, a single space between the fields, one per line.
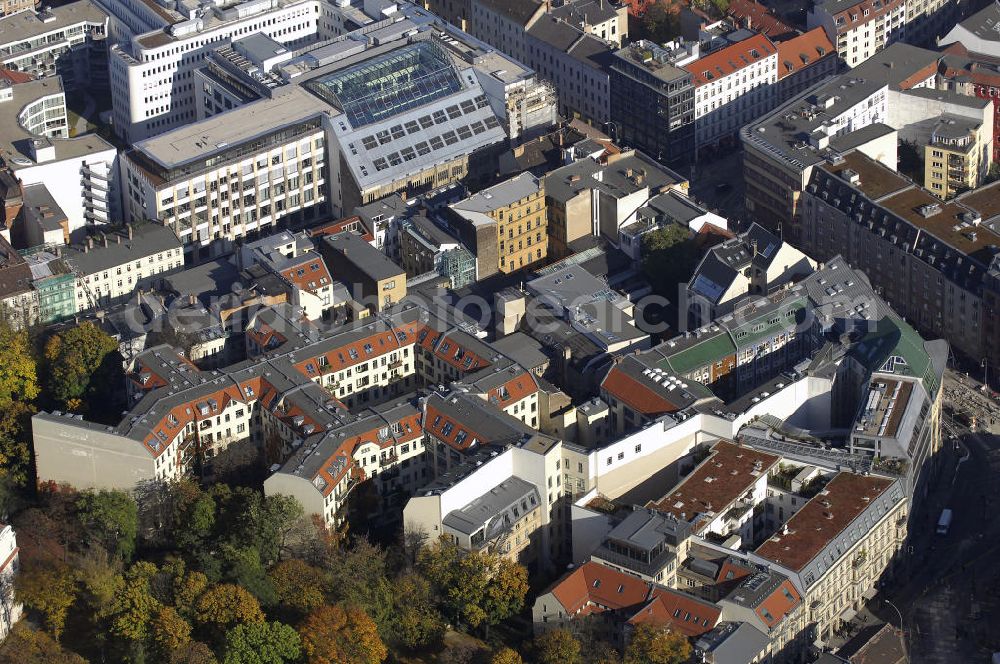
x=341 y=635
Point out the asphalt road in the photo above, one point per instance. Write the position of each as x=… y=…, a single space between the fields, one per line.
x=950 y=591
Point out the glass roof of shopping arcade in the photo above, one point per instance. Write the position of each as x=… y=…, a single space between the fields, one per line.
x=390 y=84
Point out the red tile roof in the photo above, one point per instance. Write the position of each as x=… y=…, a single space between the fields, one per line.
x=773 y=609
x=594 y=588
x=823 y=518
x=310 y=275
x=679 y=611
x=755 y=16
x=726 y=475
x=806 y=49
x=14 y=77
x=730 y=59
x=635 y=395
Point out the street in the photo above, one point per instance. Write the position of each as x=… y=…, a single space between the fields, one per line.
x=950 y=592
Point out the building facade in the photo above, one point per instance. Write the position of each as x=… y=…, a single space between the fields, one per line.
x=859 y=29
x=68 y=40
x=510 y=220
x=652 y=102
x=732 y=86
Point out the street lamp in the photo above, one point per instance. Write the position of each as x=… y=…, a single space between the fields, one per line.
x=902 y=632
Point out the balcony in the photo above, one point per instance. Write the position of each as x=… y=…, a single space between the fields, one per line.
x=388 y=460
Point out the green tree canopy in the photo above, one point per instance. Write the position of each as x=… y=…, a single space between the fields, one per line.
x=669 y=257
x=506 y=656
x=298 y=585
x=73 y=357
x=476 y=587
x=262 y=643
x=557 y=646
x=18 y=372
x=112 y=518
x=50 y=590
x=656 y=644
x=135 y=606
x=26 y=645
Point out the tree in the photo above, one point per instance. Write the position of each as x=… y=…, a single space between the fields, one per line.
x=112 y=518
x=227 y=605
x=18 y=372
x=25 y=645
x=261 y=643
x=655 y=644
x=669 y=256
x=15 y=446
x=73 y=358
x=188 y=589
x=194 y=652
x=419 y=625
x=341 y=635
x=358 y=577
x=102 y=582
x=170 y=631
x=506 y=656
x=135 y=606
x=298 y=585
x=244 y=568
x=557 y=646
x=50 y=590
x=476 y=587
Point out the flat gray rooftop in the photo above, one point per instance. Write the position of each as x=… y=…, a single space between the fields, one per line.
x=240 y=125
x=27 y=25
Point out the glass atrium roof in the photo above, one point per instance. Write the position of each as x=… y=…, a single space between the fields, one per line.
x=390 y=84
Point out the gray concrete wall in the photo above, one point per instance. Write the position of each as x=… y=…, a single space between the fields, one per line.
x=87 y=456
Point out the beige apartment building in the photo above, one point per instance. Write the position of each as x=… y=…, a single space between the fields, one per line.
x=957 y=156
x=505 y=225
x=839 y=545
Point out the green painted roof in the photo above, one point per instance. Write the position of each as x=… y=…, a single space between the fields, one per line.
x=708 y=350
x=895 y=347
x=767 y=324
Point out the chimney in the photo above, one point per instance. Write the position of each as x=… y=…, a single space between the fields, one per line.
x=753 y=247
x=90 y=242
x=129 y=227
x=104 y=239
x=118 y=237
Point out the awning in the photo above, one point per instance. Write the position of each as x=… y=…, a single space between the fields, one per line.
x=870 y=593
x=848 y=614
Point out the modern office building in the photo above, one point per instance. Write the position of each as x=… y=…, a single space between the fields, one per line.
x=653 y=102
x=861 y=109
x=80 y=173
x=235 y=174
x=67 y=40
x=152 y=72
